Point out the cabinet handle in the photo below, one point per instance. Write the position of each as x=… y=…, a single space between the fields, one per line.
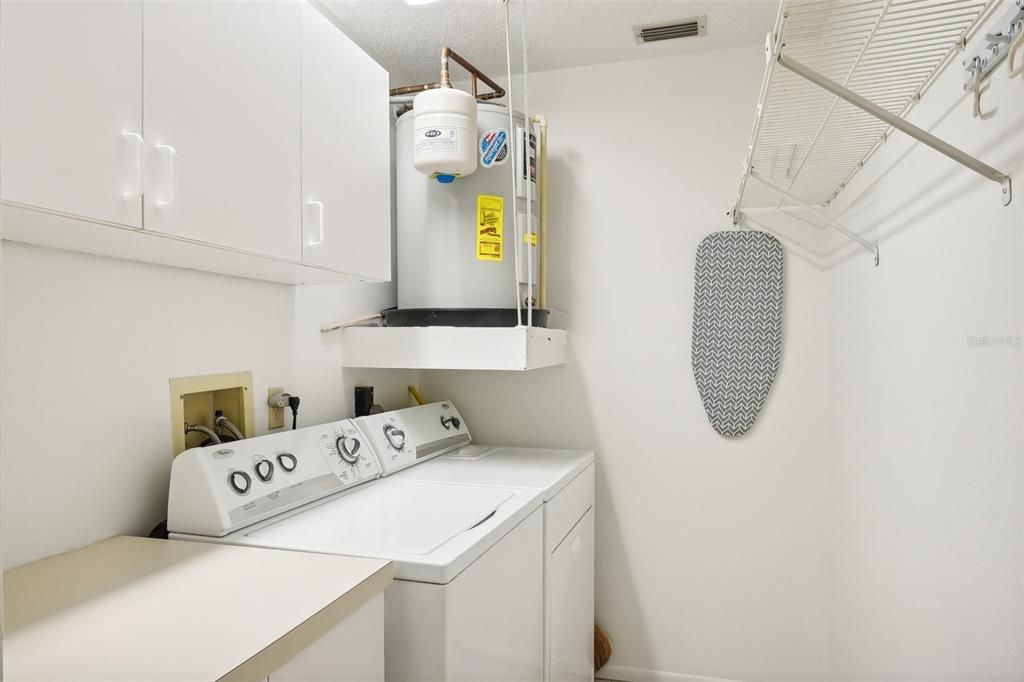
x=320 y=222
x=172 y=168
x=137 y=139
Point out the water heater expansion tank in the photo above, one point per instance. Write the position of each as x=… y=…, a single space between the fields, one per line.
x=445 y=123
x=456 y=242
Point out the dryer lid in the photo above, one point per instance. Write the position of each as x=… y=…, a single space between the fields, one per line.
x=391 y=517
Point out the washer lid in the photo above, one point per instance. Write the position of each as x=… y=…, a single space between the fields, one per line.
x=396 y=516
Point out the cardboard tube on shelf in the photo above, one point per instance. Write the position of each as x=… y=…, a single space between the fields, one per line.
x=542 y=279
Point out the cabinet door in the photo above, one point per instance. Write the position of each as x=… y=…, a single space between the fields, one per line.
x=346 y=152
x=71 y=107
x=221 y=105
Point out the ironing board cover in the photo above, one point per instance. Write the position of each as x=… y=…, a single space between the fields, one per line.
x=737 y=325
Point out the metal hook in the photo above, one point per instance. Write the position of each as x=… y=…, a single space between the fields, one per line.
x=1011 y=53
x=977 y=92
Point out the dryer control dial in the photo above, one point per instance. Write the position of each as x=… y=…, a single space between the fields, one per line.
x=451 y=422
x=395 y=436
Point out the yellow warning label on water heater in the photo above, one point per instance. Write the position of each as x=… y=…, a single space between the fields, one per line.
x=489 y=226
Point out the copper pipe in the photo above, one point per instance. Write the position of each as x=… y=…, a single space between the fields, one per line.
x=413 y=89
x=449 y=54
x=496 y=90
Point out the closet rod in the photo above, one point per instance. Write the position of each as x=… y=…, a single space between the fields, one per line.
x=900 y=124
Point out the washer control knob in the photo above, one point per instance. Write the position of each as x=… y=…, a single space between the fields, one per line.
x=456 y=422
x=287 y=461
x=348 y=448
x=264 y=470
x=395 y=436
x=240 y=482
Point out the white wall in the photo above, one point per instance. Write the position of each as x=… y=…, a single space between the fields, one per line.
x=928 y=527
x=871 y=526
x=711 y=552
x=89 y=344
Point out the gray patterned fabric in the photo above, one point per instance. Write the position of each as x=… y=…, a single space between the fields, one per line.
x=737 y=325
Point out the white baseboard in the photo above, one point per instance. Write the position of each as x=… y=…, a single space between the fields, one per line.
x=622 y=673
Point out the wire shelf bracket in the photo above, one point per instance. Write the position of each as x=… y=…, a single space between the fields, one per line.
x=876 y=58
x=871 y=247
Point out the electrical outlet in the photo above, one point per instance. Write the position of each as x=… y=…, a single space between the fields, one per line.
x=275 y=415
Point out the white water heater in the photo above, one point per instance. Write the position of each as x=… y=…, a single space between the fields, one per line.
x=456 y=242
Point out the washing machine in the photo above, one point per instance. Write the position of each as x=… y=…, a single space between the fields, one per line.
x=467 y=602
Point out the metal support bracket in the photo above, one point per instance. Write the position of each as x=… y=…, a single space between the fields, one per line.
x=900 y=124
x=839 y=227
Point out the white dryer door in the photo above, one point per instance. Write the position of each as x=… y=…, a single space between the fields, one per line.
x=570 y=605
x=391 y=516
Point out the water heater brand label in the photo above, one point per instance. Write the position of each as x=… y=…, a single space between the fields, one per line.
x=436 y=140
x=490 y=218
x=494 y=148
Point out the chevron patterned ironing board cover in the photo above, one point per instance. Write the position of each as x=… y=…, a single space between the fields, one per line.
x=737 y=325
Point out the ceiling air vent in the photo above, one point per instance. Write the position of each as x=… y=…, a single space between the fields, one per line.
x=670 y=30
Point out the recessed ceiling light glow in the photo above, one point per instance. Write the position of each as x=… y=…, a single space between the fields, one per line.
x=419 y=3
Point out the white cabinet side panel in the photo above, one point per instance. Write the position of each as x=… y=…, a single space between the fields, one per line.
x=495 y=621
x=353 y=651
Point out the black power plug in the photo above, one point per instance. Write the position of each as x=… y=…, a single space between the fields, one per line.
x=293 y=403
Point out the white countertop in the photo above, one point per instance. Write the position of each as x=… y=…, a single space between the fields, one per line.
x=140 y=609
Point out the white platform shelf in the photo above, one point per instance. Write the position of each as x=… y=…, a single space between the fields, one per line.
x=494 y=348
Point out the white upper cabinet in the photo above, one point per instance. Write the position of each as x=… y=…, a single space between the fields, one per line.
x=71 y=108
x=222 y=117
x=250 y=138
x=346 y=215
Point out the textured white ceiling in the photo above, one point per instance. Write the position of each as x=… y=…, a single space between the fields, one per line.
x=560 y=33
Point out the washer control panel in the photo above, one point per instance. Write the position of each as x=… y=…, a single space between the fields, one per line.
x=406 y=437
x=254 y=467
x=220 y=488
